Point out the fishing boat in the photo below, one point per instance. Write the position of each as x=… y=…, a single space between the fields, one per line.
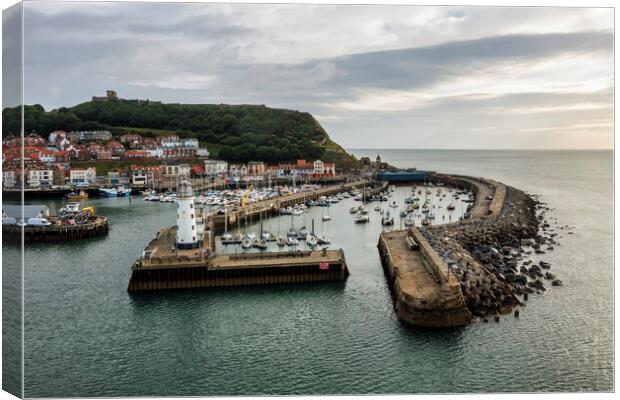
x=77 y=196
x=123 y=191
x=108 y=192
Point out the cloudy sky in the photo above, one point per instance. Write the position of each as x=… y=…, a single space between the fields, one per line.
x=374 y=76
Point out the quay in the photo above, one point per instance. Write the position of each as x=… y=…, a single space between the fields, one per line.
x=183 y=256
x=97 y=226
x=163 y=266
x=240 y=270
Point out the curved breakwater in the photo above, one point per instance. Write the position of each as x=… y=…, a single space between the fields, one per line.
x=475 y=261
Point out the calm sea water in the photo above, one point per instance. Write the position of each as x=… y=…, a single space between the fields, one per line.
x=86 y=336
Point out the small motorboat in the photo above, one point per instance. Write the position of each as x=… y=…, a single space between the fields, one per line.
x=77 y=196
x=451 y=207
x=303 y=232
x=261 y=244
x=291 y=241
x=311 y=240
x=324 y=240
x=393 y=205
x=247 y=242
x=353 y=210
x=387 y=220
x=361 y=219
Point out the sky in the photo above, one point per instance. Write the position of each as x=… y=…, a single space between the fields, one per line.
x=374 y=76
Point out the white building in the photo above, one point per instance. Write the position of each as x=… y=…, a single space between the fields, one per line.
x=216 y=167
x=319 y=167
x=9 y=179
x=139 y=177
x=187 y=234
x=177 y=170
x=202 y=152
x=87 y=175
x=40 y=177
x=238 y=170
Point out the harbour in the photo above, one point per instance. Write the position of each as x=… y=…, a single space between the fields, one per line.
x=277 y=318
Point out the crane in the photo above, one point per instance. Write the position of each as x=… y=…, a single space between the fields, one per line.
x=245 y=199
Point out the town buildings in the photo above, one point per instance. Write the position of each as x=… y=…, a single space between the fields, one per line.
x=67 y=158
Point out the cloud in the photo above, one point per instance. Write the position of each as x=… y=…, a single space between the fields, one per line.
x=366 y=69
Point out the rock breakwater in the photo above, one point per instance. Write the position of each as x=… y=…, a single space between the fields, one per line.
x=488 y=252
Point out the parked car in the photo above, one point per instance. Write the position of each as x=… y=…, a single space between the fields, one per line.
x=38 y=222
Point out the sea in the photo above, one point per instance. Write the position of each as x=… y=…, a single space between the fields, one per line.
x=85 y=335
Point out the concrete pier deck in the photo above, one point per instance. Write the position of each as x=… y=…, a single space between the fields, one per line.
x=425 y=294
x=195 y=270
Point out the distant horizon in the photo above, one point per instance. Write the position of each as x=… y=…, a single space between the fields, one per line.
x=506 y=149
x=391 y=76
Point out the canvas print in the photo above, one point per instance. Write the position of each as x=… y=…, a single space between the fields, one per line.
x=212 y=199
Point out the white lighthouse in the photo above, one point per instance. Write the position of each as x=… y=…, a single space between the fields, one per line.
x=187 y=234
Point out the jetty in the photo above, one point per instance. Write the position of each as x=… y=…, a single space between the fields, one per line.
x=183 y=256
x=74 y=224
x=163 y=266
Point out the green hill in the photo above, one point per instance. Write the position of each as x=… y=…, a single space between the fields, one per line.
x=235 y=133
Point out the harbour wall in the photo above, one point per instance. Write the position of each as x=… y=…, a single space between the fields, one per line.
x=424 y=294
x=480 y=252
x=241 y=270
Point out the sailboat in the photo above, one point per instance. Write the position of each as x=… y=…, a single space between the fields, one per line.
x=326 y=217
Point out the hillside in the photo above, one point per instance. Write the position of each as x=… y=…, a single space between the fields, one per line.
x=235 y=133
